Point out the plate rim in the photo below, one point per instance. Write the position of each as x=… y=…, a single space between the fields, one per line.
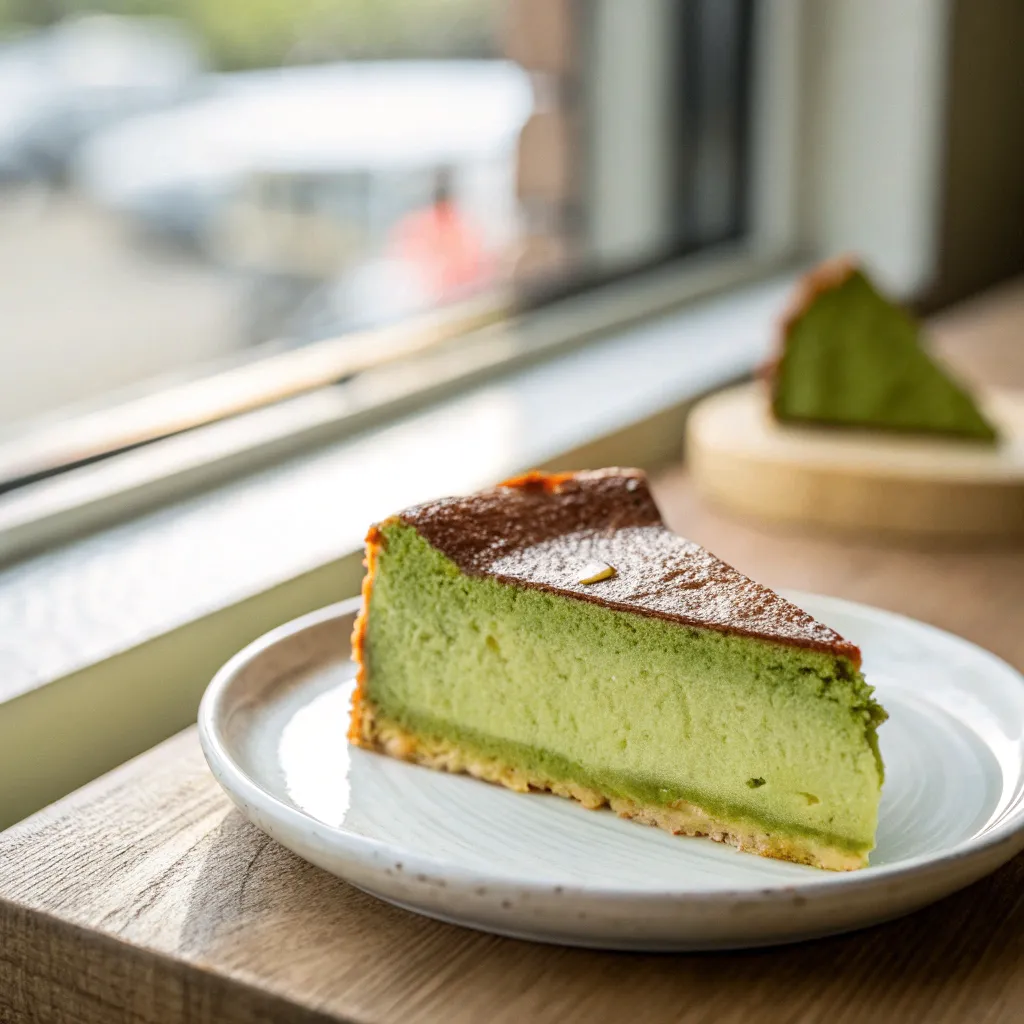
x=1008 y=832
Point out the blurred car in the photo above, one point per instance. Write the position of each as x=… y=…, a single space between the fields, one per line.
x=59 y=85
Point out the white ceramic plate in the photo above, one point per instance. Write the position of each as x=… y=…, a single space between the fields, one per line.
x=535 y=866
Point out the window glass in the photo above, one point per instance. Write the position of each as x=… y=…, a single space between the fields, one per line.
x=187 y=185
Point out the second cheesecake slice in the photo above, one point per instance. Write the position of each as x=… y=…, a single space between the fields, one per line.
x=553 y=634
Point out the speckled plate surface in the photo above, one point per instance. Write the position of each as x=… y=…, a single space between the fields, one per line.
x=272 y=726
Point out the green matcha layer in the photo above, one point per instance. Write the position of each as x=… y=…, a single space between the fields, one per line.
x=768 y=744
x=850 y=357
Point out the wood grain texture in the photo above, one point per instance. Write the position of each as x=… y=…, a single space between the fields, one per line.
x=147 y=898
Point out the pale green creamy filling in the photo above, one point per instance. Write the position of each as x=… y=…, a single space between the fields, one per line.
x=855 y=358
x=778 y=737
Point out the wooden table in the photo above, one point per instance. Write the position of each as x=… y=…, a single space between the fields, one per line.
x=147 y=898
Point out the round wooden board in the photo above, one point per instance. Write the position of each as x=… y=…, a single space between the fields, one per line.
x=746 y=462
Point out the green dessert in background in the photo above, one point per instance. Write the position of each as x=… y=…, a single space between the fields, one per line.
x=850 y=357
x=553 y=634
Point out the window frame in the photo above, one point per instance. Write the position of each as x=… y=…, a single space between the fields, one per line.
x=104 y=492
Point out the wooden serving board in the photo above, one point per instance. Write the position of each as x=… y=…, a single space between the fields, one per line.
x=746 y=462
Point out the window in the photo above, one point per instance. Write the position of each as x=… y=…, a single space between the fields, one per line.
x=210 y=207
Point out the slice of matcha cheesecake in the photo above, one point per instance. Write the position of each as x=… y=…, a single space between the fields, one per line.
x=553 y=634
x=848 y=356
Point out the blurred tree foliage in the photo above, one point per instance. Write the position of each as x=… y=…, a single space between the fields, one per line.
x=261 y=33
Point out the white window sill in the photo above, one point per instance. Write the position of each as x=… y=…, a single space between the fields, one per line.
x=107 y=643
